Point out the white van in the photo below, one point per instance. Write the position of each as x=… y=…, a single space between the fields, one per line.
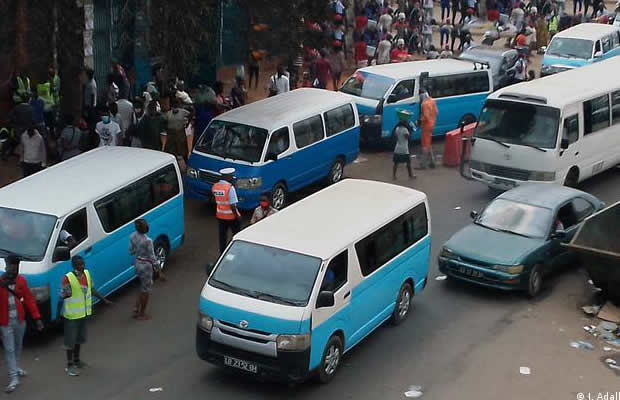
x=559 y=129
x=294 y=292
x=95 y=197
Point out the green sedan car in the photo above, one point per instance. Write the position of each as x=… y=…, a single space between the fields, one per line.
x=516 y=241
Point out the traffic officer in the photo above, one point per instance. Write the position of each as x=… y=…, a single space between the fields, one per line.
x=226 y=206
x=22 y=89
x=76 y=304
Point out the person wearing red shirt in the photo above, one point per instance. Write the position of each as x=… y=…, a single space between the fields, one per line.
x=15 y=299
x=400 y=53
x=323 y=70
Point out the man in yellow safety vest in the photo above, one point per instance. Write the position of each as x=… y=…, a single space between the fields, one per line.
x=76 y=305
x=21 y=93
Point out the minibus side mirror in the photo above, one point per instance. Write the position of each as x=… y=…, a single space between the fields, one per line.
x=325 y=299
x=392 y=98
x=564 y=144
x=473 y=214
x=271 y=157
x=598 y=54
x=61 y=253
x=209 y=268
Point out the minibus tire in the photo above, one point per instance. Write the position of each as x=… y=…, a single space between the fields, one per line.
x=278 y=188
x=466 y=119
x=572 y=178
x=336 y=169
x=405 y=295
x=159 y=246
x=335 y=348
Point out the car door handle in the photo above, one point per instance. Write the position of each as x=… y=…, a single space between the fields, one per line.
x=347 y=294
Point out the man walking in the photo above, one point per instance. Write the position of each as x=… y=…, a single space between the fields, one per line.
x=15 y=298
x=226 y=206
x=75 y=305
x=428 y=116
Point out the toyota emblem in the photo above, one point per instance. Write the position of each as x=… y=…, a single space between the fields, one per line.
x=243 y=324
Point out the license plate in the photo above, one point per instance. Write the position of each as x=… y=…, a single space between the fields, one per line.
x=470 y=272
x=241 y=364
x=505 y=182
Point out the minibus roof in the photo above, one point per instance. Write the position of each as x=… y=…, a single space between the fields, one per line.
x=565 y=88
x=412 y=69
x=589 y=31
x=328 y=221
x=60 y=189
x=278 y=111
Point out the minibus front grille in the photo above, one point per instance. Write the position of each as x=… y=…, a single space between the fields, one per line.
x=506 y=172
x=209 y=177
x=235 y=334
x=247 y=330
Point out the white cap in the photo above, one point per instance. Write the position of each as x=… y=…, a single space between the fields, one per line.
x=227 y=171
x=400 y=42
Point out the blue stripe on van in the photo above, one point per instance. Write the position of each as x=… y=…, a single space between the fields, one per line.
x=373 y=300
x=255 y=321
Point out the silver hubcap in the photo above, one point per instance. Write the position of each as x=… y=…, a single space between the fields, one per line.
x=332 y=359
x=278 y=198
x=336 y=172
x=403 y=305
x=160 y=253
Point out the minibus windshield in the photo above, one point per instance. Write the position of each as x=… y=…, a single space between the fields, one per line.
x=232 y=140
x=266 y=273
x=517 y=218
x=519 y=123
x=570 y=48
x=25 y=234
x=370 y=86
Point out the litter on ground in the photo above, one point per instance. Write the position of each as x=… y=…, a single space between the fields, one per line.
x=524 y=370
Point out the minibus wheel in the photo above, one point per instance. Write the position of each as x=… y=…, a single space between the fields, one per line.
x=336 y=172
x=162 y=251
x=572 y=178
x=332 y=357
x=403 y=304
x=278 y=196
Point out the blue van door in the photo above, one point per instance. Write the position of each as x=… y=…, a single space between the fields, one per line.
x=402 y=98
x=279 y=161
x=308 y=163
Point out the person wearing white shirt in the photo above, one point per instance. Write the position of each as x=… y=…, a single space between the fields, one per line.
x=279 y=83
x=109 y=132
x=385 y=22
x=125 y=112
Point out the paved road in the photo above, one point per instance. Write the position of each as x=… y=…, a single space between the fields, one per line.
x=460 y=341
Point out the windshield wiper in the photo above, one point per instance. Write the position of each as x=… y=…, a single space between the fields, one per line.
x=276 y=299
x=513 y=232
x=494 y=140
x=22 y=256
x=533 y=146
x=486 y=226
x=231 y=288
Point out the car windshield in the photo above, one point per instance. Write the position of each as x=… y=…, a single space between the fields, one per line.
x=232 y=140
x=519 y=123
x=266 y=273
x=571 y=48
x=370 y=86
x=25 y=234
x=518 y=218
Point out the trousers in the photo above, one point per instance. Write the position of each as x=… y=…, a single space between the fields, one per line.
x=224 y=225
x=12 y=340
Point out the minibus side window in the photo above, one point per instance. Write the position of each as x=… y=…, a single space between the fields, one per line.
x=402 y=91
x=339 y=119
x=595 y=114
x=383 y=245
x=77 y=226
x=571 y=129
x=136 y=199
x=336 y=274
x=615 y=100
x=280 y=142
x=308 y=131
x=606 y=44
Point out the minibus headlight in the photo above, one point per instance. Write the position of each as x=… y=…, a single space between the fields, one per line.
x=250 y=183
x=41 y=293
x=542 y=176
x=293 y=342
x=205 y=322
x=509 y=269
x=192 y=173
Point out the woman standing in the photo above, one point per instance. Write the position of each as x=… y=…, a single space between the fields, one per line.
x=141 y=247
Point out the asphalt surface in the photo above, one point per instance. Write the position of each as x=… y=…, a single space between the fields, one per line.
x=460 y=341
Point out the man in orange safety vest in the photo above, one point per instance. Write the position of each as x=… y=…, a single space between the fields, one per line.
x=228 y=217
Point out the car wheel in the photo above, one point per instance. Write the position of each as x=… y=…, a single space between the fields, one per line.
x=403 y=304
x=535 y=281
x=162 y=251
x=467 y=119
x=332 y=356
x=278 y=196
x=336 y=172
